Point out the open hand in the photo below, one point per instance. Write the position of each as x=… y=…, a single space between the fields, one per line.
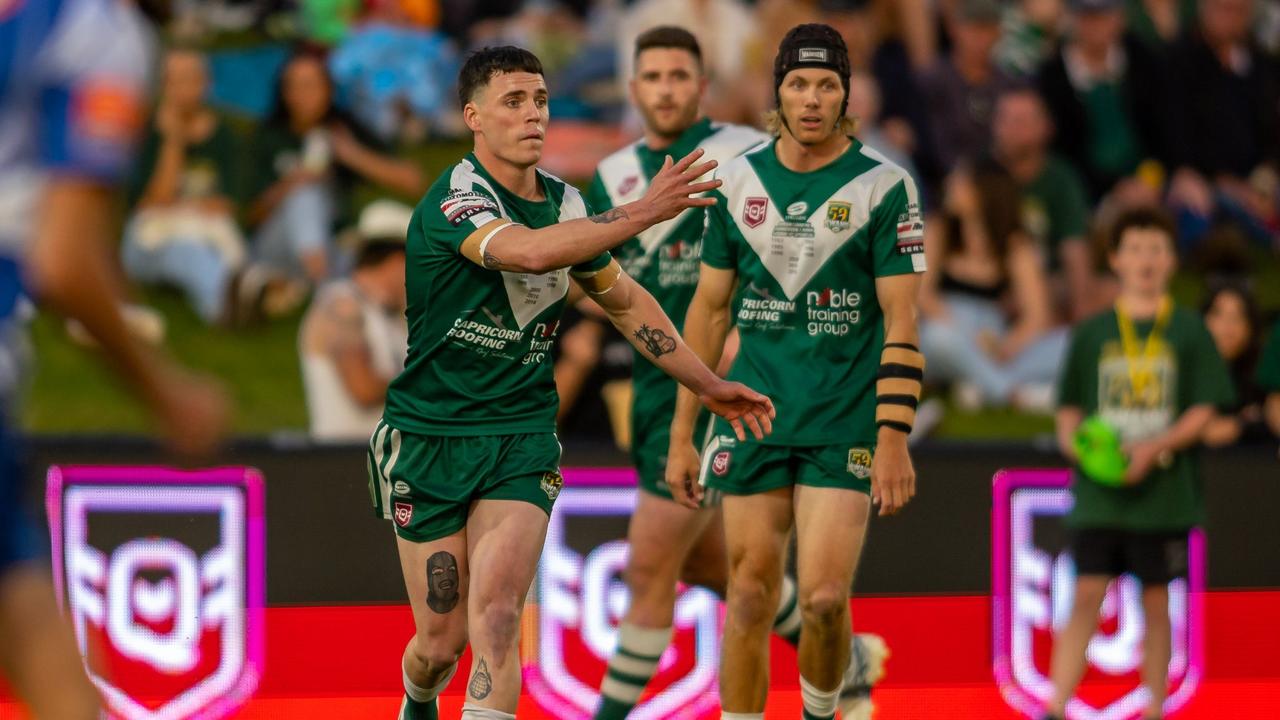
x=893 y=479
x=739 y=404
x=675 y=187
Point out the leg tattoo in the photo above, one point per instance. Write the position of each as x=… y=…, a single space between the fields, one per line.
x=442 y=582
x=481 y=684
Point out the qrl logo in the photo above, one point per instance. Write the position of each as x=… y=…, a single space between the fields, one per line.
x=580 y=600
x=162 y=574
x=833 y=298
x=720 y=463
x=754 y=211
x=1034 y=579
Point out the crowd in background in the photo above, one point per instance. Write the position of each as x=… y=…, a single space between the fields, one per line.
x=1028 y=124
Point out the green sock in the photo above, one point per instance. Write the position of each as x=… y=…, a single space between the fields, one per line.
x=630 y=669
x=411 y=709
x=786 y=624
x=810 y=716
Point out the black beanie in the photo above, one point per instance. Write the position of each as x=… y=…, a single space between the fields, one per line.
x=812 y=45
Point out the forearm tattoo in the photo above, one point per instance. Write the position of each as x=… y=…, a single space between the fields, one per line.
x=442 y=582
x=657 y=342
x=491 y=261
x=609 y=216
x=481 y=683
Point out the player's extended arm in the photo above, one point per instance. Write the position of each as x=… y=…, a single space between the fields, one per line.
x=638 y=316
x=898 y=385
x=502 y=245
x=70 y=268
x=706 y=325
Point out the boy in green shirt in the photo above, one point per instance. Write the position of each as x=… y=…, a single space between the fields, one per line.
x=1151 y=371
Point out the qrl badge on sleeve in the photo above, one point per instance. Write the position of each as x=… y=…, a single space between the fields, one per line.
x=162 y=574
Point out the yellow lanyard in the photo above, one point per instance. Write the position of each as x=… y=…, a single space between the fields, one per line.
x=1140 y=360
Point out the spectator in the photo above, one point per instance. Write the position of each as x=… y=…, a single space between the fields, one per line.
x=306 y=158
x=985 y=299
x=1030 y=36
x=183 y=230
x=1269 y=378
x=391 y=74
x=1108 y=97
x=960 y=89
x=1055 y=213
x=353 y=339
x=1233 y=319
x=1159 y=23
x=864 y=105
x=1230 y=129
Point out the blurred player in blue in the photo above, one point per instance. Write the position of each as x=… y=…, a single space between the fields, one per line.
x=72 y=97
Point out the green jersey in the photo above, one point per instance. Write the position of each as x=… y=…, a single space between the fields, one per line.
x=479 y=359
x=1055 y=208
x=1185 y=370
x=664 y=258
x=807 y=249
x=1269 y=363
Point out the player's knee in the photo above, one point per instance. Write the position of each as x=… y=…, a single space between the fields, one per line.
x=439 y=652
x=825 y=605
x=751 y=600
x=499 y=620
x=644 y=571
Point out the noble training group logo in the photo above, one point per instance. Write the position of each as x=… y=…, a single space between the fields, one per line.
x=162 y=574
x=838 y=213
x=552 y=483
x=860 y=463
x=1033 y=578
x=579 y=598
x=754 y=211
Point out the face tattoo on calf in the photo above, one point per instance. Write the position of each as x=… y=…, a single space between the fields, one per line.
x=442 y=582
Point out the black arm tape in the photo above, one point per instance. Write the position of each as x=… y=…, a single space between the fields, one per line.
x=910 y=401
x=895 y=425
x=903 y=346
x=898 y=370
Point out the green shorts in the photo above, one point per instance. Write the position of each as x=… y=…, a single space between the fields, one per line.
x=425 y=484
x=736 y=467
x=649 y=453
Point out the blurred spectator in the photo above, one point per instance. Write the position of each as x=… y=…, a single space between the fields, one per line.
x=1269 y=378
x=1230 y=131
x=182 y=231
x=1108 y=97
x=353 y=339
x=893 y=60
x=1159 y=23
x=1029 y=35
x=723 y=29
x=304 y=162
x=864 y=104
x=1232 y=317
x=394 y=75
x=961 y=89
x=985 y=299
x=1055 y=213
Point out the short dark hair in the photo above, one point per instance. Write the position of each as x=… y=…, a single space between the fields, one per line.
x=1142 y=218
x=669 y=36
x=481 y=65
x=373 y=252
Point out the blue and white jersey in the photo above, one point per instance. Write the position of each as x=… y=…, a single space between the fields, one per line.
x=73 y=81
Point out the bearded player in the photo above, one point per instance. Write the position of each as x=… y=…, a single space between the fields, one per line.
x=817 y=241
x=466 y=460
x=669 y=542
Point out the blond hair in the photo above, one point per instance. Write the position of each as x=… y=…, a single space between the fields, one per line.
x=773 y=123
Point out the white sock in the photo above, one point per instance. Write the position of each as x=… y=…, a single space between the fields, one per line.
x=819 y=703
x=475 y=712
x=422 y=695
x=639 y=650
x=741 y=716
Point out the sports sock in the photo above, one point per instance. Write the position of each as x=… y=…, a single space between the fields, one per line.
x=741 y=716
x=630 y=669
x=420 y=703
x=818 y=704
x=787 y=622
x=475 y=712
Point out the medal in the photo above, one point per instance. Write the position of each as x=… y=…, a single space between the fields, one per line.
x=1139 y=359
